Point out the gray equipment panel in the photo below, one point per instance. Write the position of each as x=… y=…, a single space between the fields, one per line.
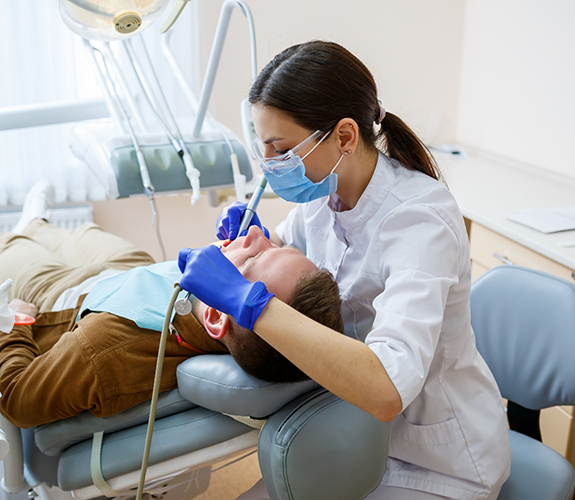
x=167 y=171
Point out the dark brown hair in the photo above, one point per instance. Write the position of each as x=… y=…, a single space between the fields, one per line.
x=317 y=296
x=319 y=83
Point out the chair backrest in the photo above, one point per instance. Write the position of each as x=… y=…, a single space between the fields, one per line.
x=524 y=323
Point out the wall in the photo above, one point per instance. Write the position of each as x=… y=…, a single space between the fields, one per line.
x=413 y=47
x=517 y=98
x=181 y=225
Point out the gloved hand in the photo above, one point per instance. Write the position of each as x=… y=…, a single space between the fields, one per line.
x=214 y=280
x=229 y=221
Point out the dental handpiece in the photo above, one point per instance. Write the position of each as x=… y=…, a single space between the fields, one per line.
x=252 y=206
x=183 y=306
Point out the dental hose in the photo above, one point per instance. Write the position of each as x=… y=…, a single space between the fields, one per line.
x=156 y=389
x=250 y=211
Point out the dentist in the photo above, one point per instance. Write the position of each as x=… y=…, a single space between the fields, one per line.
x=371 y=210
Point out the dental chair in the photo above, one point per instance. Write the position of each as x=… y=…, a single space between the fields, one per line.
x=312 y=445
x=524 y=322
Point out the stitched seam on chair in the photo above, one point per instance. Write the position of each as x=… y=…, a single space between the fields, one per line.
x=158 y=431
x=196 y=377
x=308 y=414
x=320 y=396
x=284 y=473
x=158 y=410
x=286 y=447
x=59 y=444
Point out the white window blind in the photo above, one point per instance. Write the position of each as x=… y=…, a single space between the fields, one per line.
x=42 y=61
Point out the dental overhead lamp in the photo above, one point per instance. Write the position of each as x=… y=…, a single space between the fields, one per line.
x=109 y=20
x=142 y=148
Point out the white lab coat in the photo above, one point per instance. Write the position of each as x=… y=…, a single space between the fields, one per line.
x=401 y=258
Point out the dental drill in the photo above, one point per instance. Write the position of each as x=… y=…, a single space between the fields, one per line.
x=183 y=305
x=252 y=206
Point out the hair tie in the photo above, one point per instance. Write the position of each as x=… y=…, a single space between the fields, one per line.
x=381 y=115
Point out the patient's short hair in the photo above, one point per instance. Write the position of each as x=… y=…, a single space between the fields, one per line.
x=317 y=296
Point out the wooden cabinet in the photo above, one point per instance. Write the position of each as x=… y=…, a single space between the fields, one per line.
x=489 y=249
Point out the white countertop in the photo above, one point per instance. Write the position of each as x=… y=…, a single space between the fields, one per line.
x=487 y=188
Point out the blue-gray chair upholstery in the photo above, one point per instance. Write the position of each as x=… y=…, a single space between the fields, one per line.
x=313 y=445
x=524 y=323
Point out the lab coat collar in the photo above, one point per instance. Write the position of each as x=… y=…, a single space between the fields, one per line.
x=371 y=199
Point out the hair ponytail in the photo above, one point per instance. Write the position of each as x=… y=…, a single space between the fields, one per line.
x=399 y=142
x=319 y=83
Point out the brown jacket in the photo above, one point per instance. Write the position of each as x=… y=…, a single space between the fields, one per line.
x=58 y=368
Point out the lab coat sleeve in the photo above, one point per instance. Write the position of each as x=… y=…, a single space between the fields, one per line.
x=291 y=231
x=419 y=261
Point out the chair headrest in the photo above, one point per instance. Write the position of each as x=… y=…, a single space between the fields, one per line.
x=216 y=382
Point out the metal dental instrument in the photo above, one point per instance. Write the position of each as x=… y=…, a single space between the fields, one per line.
x=177 y=140
x=252 y=206
x=148 y=94
x=123 y=121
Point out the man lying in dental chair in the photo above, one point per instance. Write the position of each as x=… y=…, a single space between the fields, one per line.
x=99 y=305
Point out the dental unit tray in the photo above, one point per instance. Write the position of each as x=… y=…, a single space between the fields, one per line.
x=112 y=159
x=143 y=149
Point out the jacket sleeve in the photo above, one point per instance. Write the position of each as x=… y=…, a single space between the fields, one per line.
x=40 y=388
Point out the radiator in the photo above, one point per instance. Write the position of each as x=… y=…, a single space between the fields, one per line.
x=62 y=217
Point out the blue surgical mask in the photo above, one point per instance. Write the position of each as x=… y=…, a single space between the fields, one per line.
x=294 y=186
x=286 y=173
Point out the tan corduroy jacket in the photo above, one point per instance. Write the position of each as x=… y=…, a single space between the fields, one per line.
x=58 y=368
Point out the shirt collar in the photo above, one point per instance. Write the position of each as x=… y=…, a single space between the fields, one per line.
x=371 y=199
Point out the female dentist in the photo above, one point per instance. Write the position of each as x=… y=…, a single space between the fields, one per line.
x=392 y=235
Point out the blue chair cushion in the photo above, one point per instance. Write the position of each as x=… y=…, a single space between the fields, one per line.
x=524 y=321
x=320 y=446
x=216 y=381
x=52 y=439
x=537 y=472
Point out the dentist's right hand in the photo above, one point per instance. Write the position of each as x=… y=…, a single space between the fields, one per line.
x=214 y=280
x=228 y=223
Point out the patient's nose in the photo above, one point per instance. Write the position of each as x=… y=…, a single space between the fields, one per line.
x=256 y=238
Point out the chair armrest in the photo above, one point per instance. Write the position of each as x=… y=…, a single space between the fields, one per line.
x=320 y=446
x=13 y=480
x=216 y=382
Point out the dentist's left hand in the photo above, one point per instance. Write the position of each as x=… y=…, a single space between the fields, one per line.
x=214 y=280
x=229 y=222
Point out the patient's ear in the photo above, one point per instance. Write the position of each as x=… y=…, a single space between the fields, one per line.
x=216 y=323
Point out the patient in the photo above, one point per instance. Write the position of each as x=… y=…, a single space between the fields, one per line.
x=105 y=361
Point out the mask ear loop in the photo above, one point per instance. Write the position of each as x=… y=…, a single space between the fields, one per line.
x=345 y=153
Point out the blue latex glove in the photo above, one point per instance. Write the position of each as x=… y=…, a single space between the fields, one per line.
x=214 y=280
x=229 y=221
